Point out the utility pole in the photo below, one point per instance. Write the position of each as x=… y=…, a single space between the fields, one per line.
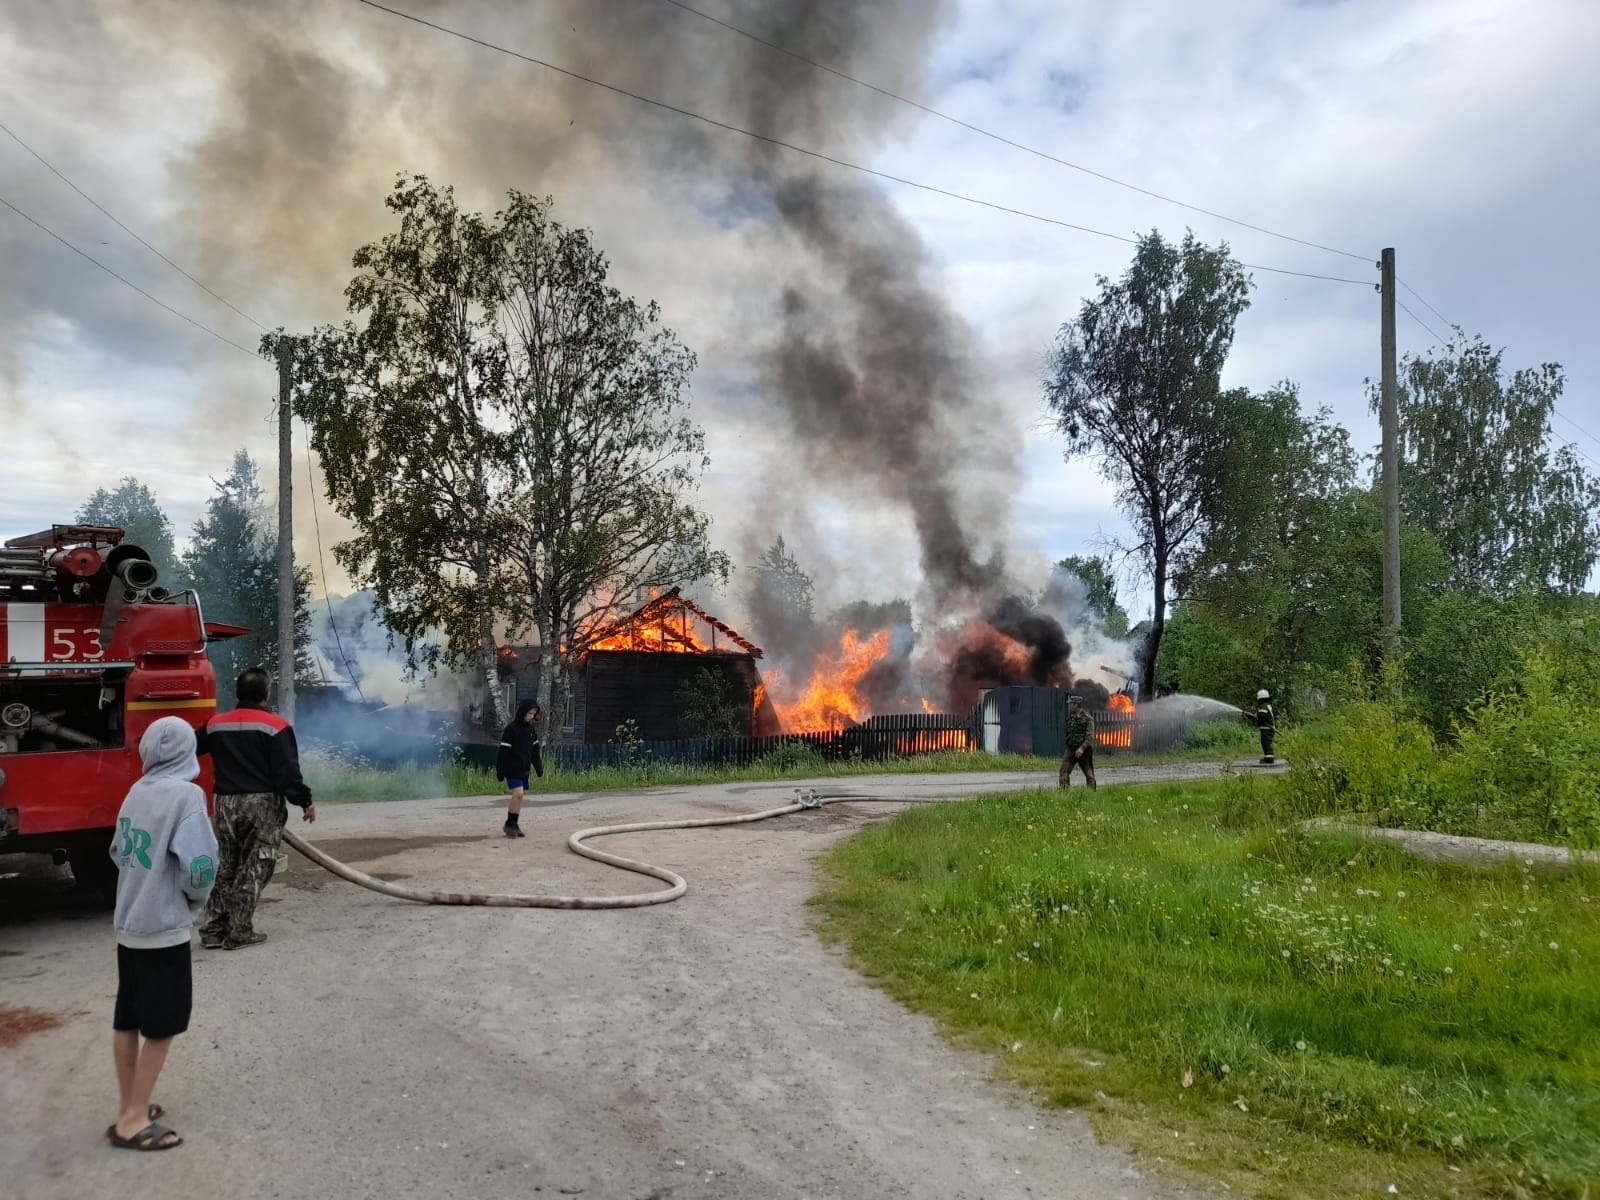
x=1391 y=461
x=285 y=532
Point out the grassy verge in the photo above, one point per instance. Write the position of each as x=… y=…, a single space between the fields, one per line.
x=338 y=779
x=1294 y=1017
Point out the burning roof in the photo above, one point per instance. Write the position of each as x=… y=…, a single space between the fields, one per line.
x=670 y=624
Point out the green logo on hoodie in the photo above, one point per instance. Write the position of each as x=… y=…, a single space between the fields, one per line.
x=201 y=872
x=135 y=842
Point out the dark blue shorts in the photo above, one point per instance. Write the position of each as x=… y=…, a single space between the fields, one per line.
x=514 y=784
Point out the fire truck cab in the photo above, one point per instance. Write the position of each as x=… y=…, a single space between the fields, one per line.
x=92 y=651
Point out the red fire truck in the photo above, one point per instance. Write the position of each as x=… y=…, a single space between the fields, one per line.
x=92 y=651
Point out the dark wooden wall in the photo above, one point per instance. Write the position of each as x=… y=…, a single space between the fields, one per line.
x=642 y=685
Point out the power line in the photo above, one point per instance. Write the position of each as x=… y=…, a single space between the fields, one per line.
x=1553 y=409
x=322 y=565
x=1441 y=341
x=1430 y=307
x=807 y=151
x=127 y=282
x=14 y=137
x=1001 y=138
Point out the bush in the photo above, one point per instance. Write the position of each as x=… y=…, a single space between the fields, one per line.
x=1526 y=761
x=1228 y=738
x=795 y=756
x=1366 y=758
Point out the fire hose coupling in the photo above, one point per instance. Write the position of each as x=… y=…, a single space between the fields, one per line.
x=808 y=797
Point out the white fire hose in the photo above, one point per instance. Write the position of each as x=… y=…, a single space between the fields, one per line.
x=807 y=798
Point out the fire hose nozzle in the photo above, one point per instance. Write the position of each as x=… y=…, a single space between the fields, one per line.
x=807 y=797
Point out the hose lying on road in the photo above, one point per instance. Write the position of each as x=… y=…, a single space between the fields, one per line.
x=807 y=798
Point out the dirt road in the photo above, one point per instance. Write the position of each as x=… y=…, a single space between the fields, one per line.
x=708 y=1048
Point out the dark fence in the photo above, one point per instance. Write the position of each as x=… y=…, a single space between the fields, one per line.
x=895 y=736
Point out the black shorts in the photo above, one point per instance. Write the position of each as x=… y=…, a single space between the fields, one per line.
x=155 y=991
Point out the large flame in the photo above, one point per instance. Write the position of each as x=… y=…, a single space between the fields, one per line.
x=1119 y=710
x=833 y=697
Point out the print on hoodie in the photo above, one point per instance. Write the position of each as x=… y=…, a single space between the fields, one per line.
x=164 y=846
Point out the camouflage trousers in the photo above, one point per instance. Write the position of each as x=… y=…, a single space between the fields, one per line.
x=249 y=828
x=1085 y=764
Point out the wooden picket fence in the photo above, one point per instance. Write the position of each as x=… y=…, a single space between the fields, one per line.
x=895 y=736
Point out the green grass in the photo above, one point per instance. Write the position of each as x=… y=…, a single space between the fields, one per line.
x=1296 y=1017
x=338 y=779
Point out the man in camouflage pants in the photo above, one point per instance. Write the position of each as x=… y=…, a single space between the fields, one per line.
x=257 y=771
x=1080 y=744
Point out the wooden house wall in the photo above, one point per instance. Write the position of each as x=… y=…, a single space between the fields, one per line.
x=617 y=685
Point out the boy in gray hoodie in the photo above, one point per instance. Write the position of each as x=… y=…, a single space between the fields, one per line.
x=167 y=855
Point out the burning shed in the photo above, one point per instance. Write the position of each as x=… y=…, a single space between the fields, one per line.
x=639 y=668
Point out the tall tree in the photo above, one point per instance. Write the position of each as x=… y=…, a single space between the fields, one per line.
x=232 y=565
x=1135 y=380
x=507 y=432
x=403 y=411
x=1099 y=589
x=780 y=595
x=600 y=449
x=1479 y=470
x=132 y=507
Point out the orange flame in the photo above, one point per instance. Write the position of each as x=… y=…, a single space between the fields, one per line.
x=1120 y=709
x=833 y=697
x=927 y=705
x=927 y=741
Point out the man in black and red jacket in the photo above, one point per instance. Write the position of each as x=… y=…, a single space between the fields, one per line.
x=256 y=765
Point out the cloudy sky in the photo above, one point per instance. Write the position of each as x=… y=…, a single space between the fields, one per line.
x=253 y=145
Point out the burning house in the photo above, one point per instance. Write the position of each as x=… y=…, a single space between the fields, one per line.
x=636 y=669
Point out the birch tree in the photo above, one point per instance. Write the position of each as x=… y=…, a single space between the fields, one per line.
x=401 y=403
x=1135 y=382
x=600 y=445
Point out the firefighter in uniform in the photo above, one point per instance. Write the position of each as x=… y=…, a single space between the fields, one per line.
x=1080 y=743
x=257 y=770
x=1266 y=723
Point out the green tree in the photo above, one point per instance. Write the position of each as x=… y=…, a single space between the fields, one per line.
x=599 y=447
x=709 y=706
x=1134 y=380
x=132 y=507
x=507 y=432
x=780 y=595
x=406 y=414
x=1100 y=590
x=232 y=565
x=1479 y=470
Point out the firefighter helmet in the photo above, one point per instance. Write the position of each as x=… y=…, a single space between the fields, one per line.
x=1074 y=699
x=1262 y=695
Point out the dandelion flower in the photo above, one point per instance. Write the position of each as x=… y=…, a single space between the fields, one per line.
x=1456 y=947
x=1555 y=945
x=1299 y=1045
x=1286 y=954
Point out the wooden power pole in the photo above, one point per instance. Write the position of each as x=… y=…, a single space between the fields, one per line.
x=1391 y=460
x=285 y=533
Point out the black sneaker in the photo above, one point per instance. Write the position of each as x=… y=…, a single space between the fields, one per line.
x=512 y=831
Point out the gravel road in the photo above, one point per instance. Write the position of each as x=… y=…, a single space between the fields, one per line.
x=708 y=1048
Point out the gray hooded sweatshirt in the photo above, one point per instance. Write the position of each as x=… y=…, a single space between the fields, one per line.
x=163 y=845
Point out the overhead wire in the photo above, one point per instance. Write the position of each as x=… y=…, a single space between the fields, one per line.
x=112 y=217
x=127 y=282
x=806 y=150
x=1007 y=141
x=1445 y=342
x=310 y=470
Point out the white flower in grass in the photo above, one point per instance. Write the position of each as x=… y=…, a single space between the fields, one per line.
x=1299 y=1045
x=1555 y=945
